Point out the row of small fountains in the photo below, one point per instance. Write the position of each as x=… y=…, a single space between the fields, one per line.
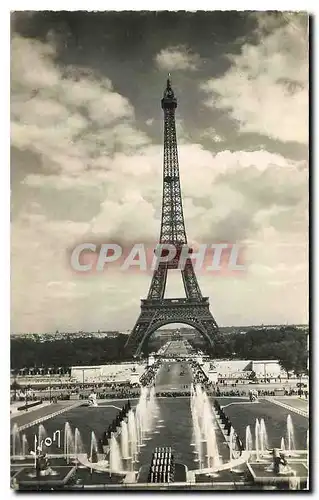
x=204 y=433
x=287 y=443
x=228 y=428
x=112 y=428
x=21 y=449
x=131 y=426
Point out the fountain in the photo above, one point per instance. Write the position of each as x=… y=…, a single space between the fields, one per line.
x=42 y=465
x=279 y=466
x=93 y=449
x=139 y=426
x=68 y=442
x=153 y=406
x=290 y=437
x=257 y=434
x=249 y=439
x=132 y=434
x=263 y=438
x=231 y=438
x=78 y=443
x=42 y=434
x=16 y=442
x=115 y=455
x=124 y=441
x=204 y=428
x=213 y=459
x=197 y=438
x=145 y=413
x=25 y=446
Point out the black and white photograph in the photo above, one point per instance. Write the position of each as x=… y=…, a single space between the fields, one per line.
x=159 y=250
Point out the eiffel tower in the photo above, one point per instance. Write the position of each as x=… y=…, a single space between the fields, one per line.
x=157 y=311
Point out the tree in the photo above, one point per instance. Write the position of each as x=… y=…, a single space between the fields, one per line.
x=288 y=356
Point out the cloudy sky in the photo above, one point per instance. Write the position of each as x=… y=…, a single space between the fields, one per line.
x=86 y=158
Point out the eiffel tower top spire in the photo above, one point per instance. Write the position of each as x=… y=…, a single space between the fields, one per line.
x=169 y=100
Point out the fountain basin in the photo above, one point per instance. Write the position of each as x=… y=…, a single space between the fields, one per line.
x=62 y=474
x=265 y=476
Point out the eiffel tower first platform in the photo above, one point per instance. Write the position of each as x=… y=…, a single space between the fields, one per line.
x=157 y=311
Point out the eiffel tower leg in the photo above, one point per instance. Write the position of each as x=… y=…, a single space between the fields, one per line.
x=190 y=282
x=193 y=291
x=209 y=326
x=157 y=288
x=141 y=331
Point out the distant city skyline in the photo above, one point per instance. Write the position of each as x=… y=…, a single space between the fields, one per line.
x=86 y=158
x=165 y=328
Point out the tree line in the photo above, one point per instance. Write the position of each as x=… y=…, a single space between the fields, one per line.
x=67 y=352
x=287 y=344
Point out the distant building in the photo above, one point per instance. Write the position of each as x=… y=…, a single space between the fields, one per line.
x=265 y=368
x=241 y=368
x=120 y=373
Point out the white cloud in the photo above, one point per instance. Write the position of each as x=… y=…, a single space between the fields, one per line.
x=72 y=119
x=130 y=219
x=177 y=58
x=210 y=133
x=266 y=87
x=226 y=195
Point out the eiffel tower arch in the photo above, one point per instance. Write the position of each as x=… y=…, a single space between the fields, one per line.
x=156 y=311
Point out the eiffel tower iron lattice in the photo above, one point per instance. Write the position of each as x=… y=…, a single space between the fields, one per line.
x=157 y=311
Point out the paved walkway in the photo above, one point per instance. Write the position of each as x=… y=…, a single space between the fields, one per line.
x=14 y=412
x=286 y=404
x=300 y=404
x=173 y=376
x=38 y=415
